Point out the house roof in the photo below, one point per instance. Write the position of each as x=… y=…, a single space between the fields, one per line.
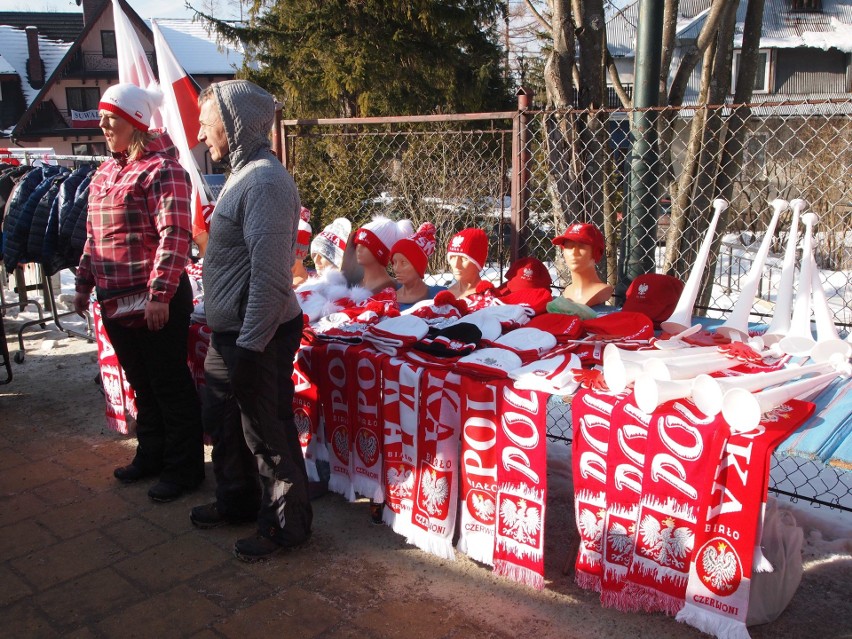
x=782 y=29
x=196 y=49
x=14 y=52
x=54 y=25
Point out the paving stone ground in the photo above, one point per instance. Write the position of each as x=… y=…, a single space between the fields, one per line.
x=84 y=556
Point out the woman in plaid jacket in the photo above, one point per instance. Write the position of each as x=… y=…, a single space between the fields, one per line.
x=138 y=244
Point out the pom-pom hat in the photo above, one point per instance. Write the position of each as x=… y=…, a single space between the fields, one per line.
x=379 y=235
x=418 y=248
x=303 y=235
x=331 y=242
x=132 y=103
x=584 y=234
x=471 y=243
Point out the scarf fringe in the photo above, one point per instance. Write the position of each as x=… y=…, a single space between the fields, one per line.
x=716 y=625
x=519 y=574
x=369 y=488
x=477 y=549
x=342 y=486
x=434 y=545
x=623 y=600
x=587 y=580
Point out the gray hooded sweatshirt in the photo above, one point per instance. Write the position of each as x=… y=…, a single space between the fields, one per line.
x=247 y=278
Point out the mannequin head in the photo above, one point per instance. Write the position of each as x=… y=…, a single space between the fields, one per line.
x=404 y=271
x=364 y=256
x=463 y=268
x=323 y=264
x=582 y=246
x=329 y=246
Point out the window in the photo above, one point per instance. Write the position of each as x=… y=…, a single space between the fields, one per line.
x=82 y=98
x=88 y=148
x=761 y=76
x=108 y=44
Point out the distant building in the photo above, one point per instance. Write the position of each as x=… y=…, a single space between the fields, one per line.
x=54 y=66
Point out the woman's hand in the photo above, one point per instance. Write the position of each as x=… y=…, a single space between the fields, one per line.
x=156 y=315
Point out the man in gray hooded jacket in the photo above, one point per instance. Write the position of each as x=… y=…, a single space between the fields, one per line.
x=256 y=326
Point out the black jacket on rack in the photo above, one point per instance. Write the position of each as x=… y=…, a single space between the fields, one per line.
x=62 y=247
x=19 y=216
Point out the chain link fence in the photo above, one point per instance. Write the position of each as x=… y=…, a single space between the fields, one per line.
x=524 y=176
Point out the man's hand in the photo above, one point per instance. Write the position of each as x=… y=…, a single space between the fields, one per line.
x=156 y=315
x=81 y=303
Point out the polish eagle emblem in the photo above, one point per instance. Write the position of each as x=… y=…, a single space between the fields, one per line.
x=520 y=520
x=591 y=525
x=483 y=507
x=620 y=542
x=665 y=543
x=434 y=491
x=303 y=425
x=719 y=567
x=400 y=481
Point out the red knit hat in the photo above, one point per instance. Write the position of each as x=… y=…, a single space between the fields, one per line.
x=418 y=248
x=471 y=243
x=528 y=273
x=303 y=235
x=584 y=234
x=380 y=235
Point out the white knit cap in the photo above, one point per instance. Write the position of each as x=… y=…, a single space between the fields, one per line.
x=525 y=341
x=331 y=242
x=132 y=103
x=551 y=375
x=381 y=234
x=489 y=362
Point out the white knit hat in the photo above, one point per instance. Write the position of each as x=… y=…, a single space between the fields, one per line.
x=331 y=242
x=132 y=103
x=489 y=362
x=381 y=234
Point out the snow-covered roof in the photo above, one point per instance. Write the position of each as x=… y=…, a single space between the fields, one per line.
x=197 y=50
x=14 y=51
x=782 y=28
x=5 y=67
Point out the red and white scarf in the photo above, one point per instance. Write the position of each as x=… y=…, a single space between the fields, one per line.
x=717 y=595
x=306 y=405
x=522 y=486
x=366 y=373
x=337 y=412
x=478 y=468
x=433 y=516
x=682 y=452
x=400 y=390
x=625 y=462
x=591 y=425
x=120 y=398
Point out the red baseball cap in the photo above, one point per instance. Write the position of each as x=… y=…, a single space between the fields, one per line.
x=584 y=234
x=653 y=294
x=527 y=273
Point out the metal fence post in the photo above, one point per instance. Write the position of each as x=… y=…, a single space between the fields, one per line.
x=520 y=176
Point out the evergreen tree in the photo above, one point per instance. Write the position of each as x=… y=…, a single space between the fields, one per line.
x=350 y=58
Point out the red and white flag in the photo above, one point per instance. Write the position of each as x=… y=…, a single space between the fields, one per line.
x=133 y=66
x=180 y=115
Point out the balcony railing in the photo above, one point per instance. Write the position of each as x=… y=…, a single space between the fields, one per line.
x=95 y=63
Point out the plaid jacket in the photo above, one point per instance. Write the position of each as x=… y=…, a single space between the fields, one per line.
x=139 y=226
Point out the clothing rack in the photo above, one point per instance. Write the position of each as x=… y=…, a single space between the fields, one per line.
x=49 y=310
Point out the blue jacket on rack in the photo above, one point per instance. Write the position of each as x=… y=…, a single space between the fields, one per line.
x=51 y=257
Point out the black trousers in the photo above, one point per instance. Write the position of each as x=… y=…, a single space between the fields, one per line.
x=169 y=430
x=257 y=458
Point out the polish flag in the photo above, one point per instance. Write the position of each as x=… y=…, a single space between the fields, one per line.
x=180 y=114
x=133 y=66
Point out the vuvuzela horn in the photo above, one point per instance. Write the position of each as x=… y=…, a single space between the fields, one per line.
x=681 y=318
x=780 y=323
x=650 y=392
x=707 y=392
x=687 y=368
x=736 y=325
x=825 y=328
x=651 y=353
x=742 y=409
x=799 y=339
x=622 y=367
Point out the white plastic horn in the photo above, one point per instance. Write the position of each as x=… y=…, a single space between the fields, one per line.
x=780 y=323
x=707 y=392
x=644 y=355
x=650 y=393
x=688 y=368
x=681 y=318
x=799 y=339
x=736 y=325
x=742 y=409
x=619 y=373
x=825 y=328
